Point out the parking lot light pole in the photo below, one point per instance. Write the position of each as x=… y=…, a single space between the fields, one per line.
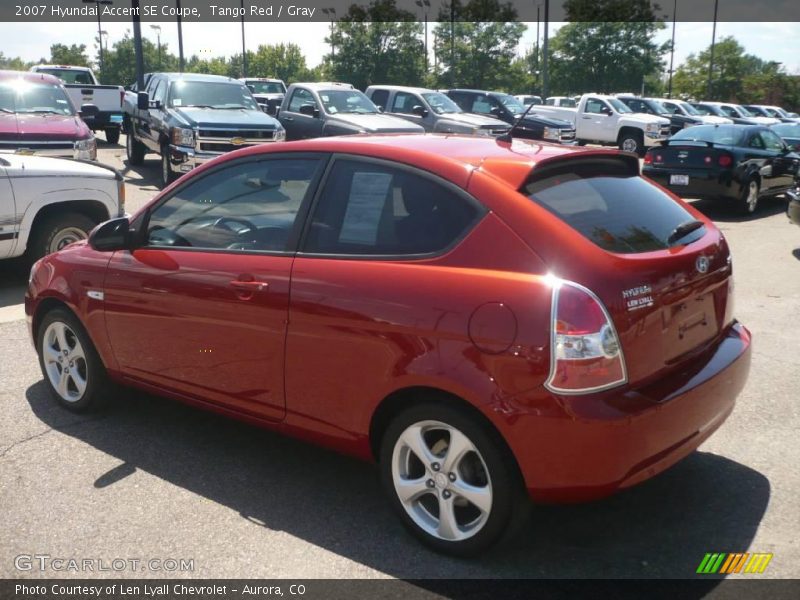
x=672 y=49
x=180 y=35
x=425 y=5
x=137 y=45
x=157 y=29
x=711 y=58
x=98 y=3
x=331 y=12
x=244 y=50
x=545 y=62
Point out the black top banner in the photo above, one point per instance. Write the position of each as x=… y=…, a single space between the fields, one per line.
x=400 y=10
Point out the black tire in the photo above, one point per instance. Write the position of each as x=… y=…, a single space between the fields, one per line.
x=112 y=135
x=632 y=141
x=509 y=502
x=88 y=365
x=56 y=231
x=134 y=149
x=167 y=176
x=748 y=203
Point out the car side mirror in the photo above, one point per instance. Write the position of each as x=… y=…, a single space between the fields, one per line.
x=419 y=110
x=309 y=110
x=111 y=235
x=142 y=100
x=380 y=108
x=495 y=110
x=606 y=111
x=89 y=110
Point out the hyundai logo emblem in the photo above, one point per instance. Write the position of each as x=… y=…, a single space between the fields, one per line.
x=701 y=264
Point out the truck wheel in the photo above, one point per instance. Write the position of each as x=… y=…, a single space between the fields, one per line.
x=632 y=141
x=134 y=150
x=112 y=135
x=167 y=176
x=57 y=231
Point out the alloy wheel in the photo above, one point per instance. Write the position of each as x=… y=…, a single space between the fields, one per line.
x=64 y=237
x=442 y=480
x=64 y=361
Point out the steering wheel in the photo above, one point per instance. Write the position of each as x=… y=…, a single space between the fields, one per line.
x=246 y=225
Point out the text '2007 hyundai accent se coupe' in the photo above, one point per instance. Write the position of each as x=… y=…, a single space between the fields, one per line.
x=482 y=318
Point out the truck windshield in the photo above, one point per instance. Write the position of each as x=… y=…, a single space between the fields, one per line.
x=513 y=105
x=441 y=104
x=619 y=105
x=208 y=94
x=70 y=75
x=690 y=110
x=24 y=97
x=266 y=87
x=346 y=101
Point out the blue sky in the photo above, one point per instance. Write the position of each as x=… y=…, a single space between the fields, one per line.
x=31 y=41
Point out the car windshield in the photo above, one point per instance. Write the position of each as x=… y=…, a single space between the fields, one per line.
x=266 y=87
x=657 y=107
x=20 y=96
x=346 y=101
x=441 y=104
x=790 y=130
x=729 y=135
x=512 y=104
x=208 y=94
x=620 y=106
x=690 y=110
x=69 y=75
x=743 y=111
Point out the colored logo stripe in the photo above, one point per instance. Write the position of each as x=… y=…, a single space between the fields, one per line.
x=726 y=564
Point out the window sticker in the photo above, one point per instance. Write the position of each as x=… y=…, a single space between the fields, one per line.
x=324 y=97
x=333 y=109
x=368 y=192
x=177 y=102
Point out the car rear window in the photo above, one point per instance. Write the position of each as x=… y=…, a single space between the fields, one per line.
x=606 y=203
x=730 y=135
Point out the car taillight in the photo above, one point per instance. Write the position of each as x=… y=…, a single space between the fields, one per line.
x=725 y=160
x=648 y=159
x=585 y=353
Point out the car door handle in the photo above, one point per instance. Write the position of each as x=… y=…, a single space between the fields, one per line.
x=587 y=118
x=288 y=118
x=249 y=286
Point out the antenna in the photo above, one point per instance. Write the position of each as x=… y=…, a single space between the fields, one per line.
x=508 y=136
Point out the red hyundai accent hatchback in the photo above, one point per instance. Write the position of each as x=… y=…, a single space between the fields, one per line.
x=482 y=318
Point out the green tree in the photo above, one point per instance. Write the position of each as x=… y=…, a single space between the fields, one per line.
x=119 y=61
x=283 y=61
x=736 y=75
x=61 y=54
x=605 y=56
x=377 y=43
x=14 y=64
x=478 y=48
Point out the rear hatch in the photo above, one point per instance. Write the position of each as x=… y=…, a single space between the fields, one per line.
x=661 y=269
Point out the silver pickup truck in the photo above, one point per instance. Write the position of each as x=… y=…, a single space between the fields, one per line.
x=433 y=110
x=83 y=88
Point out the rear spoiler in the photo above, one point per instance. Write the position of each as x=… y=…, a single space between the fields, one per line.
x=587 y=163
x=707 y=143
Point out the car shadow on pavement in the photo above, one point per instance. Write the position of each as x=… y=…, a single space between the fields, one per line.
x=724 y=211
x=660 y=529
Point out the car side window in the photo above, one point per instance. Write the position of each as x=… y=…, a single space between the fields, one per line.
x=160 y=93
x=405 y=102
x=380 y=98
x=247 y=206
x=756 y=142
x=772 y=141
x=463 y=101
x=481 y=105
x=595 y=106
x=729 y=112
x=373 y=209
x=673 y=109
x=301 y=97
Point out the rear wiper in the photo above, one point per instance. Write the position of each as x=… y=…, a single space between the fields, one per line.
x=683 y=230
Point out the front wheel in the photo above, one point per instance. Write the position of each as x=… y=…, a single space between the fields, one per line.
x=167 y=176
x=69 y=362
x=57 y=231
x=632 y=141
x=134 y=149
x=748 y=199
x=449 y=481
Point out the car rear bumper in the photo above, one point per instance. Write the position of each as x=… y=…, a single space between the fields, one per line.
x=610 y=441
x=702 y=183
x=104 y=120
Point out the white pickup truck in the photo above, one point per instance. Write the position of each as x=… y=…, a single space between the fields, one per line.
x=47 y=203
x=83 y=88
x=606 y=120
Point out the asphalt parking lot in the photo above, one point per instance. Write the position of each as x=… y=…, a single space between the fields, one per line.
x=152 y=479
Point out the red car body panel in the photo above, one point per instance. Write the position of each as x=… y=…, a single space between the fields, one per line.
x=333 y=338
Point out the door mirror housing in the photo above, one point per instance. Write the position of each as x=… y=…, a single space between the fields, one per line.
x=309 y=110
x=142 y=100
x=88 y=111
x=111 y=235
x=419 y=110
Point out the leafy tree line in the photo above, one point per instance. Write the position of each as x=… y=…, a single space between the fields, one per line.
x=379 y=42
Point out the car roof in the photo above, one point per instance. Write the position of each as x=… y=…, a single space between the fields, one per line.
x=196 y=77
x=453 y=157
x=65 y=67
x=401 y=88
x=270 y=79
x=29 y=76
x=487 y=92
x=323 y=85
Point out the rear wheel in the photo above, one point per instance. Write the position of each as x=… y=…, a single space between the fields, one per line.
x=57 y=231
x=748 y=198
x=134 y=150
x=112 y=135
x=70 y=364
x=448 y=480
